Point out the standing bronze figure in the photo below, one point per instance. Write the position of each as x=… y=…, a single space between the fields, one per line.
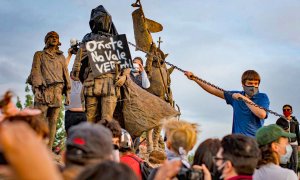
x=49 y=79
x=100 y=92
x=156 y=69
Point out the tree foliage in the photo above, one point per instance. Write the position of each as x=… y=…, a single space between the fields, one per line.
x=60 y=136
x=19 y=103
x=28 y=97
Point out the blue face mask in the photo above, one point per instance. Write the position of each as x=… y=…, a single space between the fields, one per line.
x=250 y=90
x=285 y=158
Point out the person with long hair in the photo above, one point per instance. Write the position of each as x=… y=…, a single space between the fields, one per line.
x=275 y=149
x=204 y=155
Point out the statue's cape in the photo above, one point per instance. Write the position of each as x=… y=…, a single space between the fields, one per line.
x=142 y=110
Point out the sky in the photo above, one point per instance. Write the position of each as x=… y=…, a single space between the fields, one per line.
x=217 y=40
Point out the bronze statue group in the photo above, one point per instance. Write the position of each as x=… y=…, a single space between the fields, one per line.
x=111 y=95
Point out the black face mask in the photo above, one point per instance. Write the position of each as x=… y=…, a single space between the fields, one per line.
x=116 y=147
x=216 y=175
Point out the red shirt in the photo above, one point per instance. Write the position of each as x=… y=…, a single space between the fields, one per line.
x=133 y=164
x=241 y=177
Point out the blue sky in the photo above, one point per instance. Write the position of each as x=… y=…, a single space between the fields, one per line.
x=217 y=40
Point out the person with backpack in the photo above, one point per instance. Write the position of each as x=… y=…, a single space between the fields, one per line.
x=291 y=125
x=140 y=167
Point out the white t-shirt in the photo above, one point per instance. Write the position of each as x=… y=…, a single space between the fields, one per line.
x=274 y=172
x=75 y=99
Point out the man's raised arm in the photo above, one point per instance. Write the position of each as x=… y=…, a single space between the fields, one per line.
x=204 y=86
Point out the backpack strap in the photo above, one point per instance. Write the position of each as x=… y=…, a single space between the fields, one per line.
x=133 y=157
x=295 y=119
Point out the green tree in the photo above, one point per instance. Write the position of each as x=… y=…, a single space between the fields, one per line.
x=19 y=103
x=60 y=136
x=28 y=97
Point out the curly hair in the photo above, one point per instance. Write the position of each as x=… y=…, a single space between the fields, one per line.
x=181 y=134
x=113 y=126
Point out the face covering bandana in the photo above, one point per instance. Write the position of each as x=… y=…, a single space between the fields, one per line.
x=285 y=158
x=287 y=113
x=250 y=90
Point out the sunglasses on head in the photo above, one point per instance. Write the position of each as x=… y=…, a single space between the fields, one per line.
x=287 y=110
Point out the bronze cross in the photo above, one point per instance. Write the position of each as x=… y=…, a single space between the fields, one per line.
x=159 y=41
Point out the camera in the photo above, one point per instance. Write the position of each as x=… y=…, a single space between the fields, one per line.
x=74 y=43
x=190 y=174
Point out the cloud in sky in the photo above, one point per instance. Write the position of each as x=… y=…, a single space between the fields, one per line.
x=217 y=40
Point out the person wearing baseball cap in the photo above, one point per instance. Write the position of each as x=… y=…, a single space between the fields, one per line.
x=87 y=144
x=275 y=149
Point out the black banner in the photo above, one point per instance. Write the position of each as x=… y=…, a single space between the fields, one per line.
x=106 y=52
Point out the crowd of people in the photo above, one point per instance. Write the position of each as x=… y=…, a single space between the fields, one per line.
x=98 y=146
x=104 y=150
